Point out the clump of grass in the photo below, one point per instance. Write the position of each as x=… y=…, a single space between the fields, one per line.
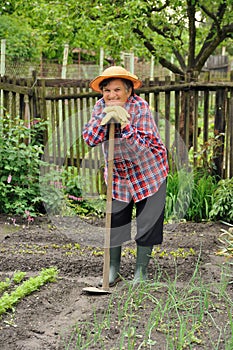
x=179 y=190
x=202 y=198
x=189 y=196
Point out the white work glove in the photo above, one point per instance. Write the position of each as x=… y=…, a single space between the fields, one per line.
x=118 y=113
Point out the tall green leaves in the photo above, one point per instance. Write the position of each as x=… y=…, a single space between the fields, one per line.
x=189 y=196
x=202 y=198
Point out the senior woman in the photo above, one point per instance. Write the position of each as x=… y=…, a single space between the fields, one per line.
x=140 y=166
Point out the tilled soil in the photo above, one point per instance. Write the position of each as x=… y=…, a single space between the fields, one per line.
x=46 y=319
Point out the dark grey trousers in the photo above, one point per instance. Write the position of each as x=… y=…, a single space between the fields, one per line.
x=149 y=219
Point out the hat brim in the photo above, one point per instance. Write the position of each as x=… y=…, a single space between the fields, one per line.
x=94 y=84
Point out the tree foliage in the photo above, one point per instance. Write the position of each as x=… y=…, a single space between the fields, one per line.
x=22 y=40
x=181 y=34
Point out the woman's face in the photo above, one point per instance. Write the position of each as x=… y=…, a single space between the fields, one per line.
x=116 y=92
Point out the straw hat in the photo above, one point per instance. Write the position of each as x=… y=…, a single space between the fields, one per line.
x=115 y=72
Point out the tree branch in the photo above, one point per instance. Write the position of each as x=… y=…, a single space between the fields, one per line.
x=191 y=10
x=180 y=59
x=215 y=28
x=165 y=63
x=226 y=31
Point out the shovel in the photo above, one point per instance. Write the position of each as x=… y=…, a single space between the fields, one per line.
x=105 y=287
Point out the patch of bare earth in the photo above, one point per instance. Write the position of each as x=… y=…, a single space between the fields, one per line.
x=46 y=319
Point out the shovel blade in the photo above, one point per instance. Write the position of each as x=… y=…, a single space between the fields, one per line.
x=95 y=290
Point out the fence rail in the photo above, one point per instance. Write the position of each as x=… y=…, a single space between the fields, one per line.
x=191 y=116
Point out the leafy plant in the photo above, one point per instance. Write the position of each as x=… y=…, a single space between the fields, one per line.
x=52 y=191
x=208 y=152
x=72 y=188
x=7 y=301
x=17 y=278
x=223 y=201
x=20 y=166
x=23 y=42
x=5 y=284
x=62 y=194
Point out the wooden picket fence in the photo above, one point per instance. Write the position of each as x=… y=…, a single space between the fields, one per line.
x=66 y=105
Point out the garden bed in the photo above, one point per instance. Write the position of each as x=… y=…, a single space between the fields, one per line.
x=60 y=313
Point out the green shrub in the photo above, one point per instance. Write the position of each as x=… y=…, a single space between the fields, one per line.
x=62 y=194
x=52 y=191
x=20 y=162
x=223 y=201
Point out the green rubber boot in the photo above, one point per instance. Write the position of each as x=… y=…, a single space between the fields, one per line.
x=142 y=261
x=115 y=260
x=114 y=269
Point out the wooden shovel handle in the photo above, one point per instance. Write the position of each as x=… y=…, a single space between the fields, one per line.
x=108 y=208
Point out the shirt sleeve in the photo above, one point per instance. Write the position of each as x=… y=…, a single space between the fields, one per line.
x=142 y=134
x=93 y=132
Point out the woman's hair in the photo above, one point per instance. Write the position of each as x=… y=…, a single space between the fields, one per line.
x=128 y=84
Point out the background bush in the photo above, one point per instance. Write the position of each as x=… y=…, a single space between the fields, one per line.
x=222 y=208
x=20 y=163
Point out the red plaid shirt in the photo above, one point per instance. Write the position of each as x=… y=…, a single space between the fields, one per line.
x=140 y=157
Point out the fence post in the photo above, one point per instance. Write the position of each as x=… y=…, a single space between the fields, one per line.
x=167 y=112
x=3 y=56
x=64 y=63
x=219 y=129
x=131 y=62
x=2 y=73
x=101 y=60
x=152 y=67
x=205 y=126
x=229 y=145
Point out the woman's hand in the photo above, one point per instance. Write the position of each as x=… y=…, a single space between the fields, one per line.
x=117 y=113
